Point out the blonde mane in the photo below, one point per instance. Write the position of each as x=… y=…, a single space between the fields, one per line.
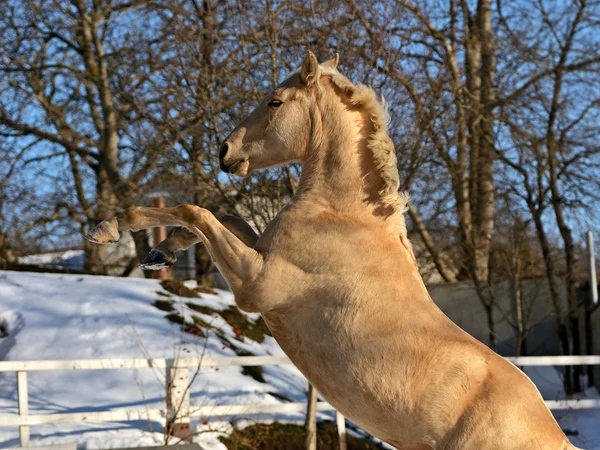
x=379 y=142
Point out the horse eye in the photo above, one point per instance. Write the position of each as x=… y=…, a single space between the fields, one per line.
x=275 y=103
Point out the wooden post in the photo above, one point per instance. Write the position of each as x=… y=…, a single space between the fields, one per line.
x=311 y=419
x=23 y=398
x=341 y=428
x=159 y=235
x=178 y=401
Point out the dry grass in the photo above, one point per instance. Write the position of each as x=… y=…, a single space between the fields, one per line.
x=177 y=287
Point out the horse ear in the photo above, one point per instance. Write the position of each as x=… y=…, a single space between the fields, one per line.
x=332 y=63
x=309 y=72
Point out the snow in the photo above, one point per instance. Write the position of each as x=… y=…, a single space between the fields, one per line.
x=586 y=422
x=69 y=259
x=53 y=316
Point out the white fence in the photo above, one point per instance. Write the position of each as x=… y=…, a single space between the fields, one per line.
x=172 y=367
x=176 y=370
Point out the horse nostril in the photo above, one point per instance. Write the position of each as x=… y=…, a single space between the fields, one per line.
x=223 y=150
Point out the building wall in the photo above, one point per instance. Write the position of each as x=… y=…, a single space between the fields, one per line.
x=460 y=303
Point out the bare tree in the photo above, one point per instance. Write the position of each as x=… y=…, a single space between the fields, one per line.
x=81 y=81
x=28 y=216
x=549 y=149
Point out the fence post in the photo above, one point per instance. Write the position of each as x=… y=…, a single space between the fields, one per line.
x=311 y=419
x=178 y=400
x=340 y=420
x=23 y=398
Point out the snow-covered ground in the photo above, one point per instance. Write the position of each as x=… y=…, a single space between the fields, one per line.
x=52 y=316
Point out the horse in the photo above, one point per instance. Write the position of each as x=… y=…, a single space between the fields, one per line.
x=337 y=283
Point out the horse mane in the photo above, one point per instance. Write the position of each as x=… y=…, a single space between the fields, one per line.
x=379 y=141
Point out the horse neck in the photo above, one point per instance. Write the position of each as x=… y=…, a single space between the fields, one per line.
x=340 y=170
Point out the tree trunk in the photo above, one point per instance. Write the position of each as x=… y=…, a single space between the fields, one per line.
x=93 y=261
x=571 y=291
x=6 y=255
x=106 y=208
x=483 y=207
x=476 y=211
x=204 y=266
x=569 y=248
x=563 y=335
x=577 y=370
x=561 y=328
x=521 y=328
x=493 y=339
x=142 y=248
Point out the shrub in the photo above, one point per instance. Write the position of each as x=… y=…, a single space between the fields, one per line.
x=175 y=318
x=164 y=305
x=278 y=436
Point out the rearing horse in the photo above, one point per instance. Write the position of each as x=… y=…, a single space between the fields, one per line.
x=337 y=283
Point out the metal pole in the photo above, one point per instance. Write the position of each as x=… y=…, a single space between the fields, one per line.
x=590 y=303
x=592 y=262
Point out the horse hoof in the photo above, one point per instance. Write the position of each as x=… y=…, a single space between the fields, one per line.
x=156 y=260
x=106 y=232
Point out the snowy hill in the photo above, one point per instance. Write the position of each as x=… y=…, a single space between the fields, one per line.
x=53 y=316
x=50 y=316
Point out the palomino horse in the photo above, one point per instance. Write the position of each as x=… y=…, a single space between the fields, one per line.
x=337 y=283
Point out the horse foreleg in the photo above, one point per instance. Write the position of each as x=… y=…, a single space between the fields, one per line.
x=163 y=255
x=239 y=263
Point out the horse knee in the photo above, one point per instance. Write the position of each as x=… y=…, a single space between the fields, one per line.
x=192 y=213
x=129 y=216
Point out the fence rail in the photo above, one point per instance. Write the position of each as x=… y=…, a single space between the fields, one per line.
x=573 y=360
x=175 y=368
x=139 y=363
